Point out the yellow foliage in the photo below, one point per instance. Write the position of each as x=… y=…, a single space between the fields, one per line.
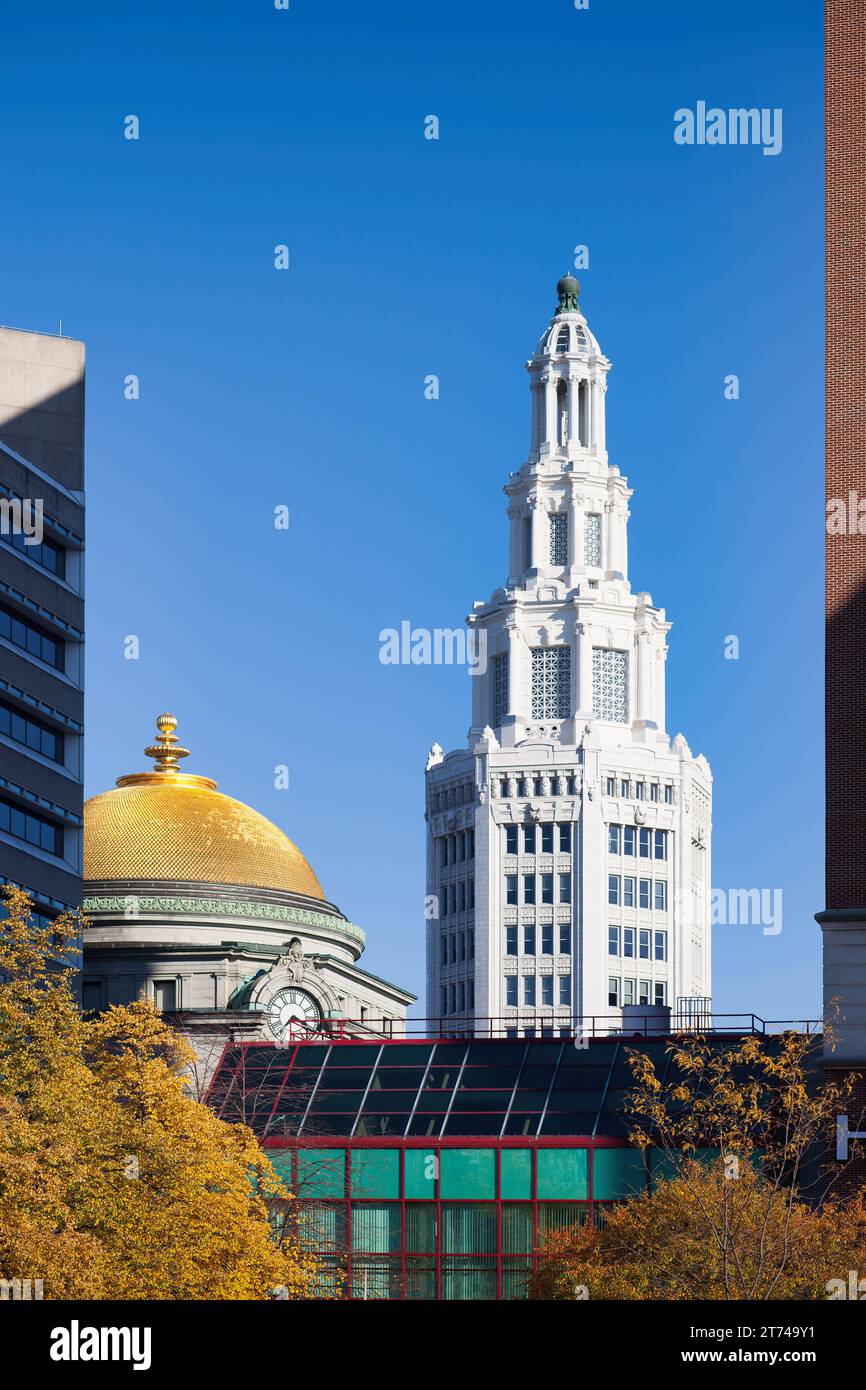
x=114 y=1182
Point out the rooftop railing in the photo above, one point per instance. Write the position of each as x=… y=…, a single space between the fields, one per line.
x=580 y=1030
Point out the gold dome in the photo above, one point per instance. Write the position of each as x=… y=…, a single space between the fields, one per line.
x=173 y=827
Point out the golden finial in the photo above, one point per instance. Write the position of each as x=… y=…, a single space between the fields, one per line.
x=166 y=750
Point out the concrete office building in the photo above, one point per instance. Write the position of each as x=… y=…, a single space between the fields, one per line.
x=41 y=616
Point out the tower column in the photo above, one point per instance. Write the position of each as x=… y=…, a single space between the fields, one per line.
x=538 y=516
x=550 y=409
x=573 y=413
x=601 y=387
x=644 y=695
x=584 y=669
x=514 y=666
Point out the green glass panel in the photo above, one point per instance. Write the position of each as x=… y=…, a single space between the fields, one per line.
x=559 y=1216
x=468 y=1279
x=321 y=1173
x=376 y=1227
x=421 y=1165
x=281 y=1162
x=516 y=1275
x=618 y=1173
x=563 y=1173
x=516 y=1228
x=375 y=1172
x=468 y=1173
x=468 y=1228
x=516 y=1173
x=662 y=1166
x=420 y=1228
x=322 y=1226
x=420 y=1279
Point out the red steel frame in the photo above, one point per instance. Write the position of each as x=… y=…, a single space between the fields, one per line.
x=347 y=1201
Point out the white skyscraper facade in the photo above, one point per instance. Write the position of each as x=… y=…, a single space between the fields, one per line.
x=568 y=853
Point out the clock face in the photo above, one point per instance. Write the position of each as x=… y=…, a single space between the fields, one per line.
x=290 y=1006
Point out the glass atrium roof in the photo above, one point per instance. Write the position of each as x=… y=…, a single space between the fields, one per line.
x=467 y=1088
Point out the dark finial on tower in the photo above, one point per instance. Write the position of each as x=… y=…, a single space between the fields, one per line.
x=568 y=290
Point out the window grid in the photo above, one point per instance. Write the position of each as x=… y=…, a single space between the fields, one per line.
x=551 y=682
x=610 y=684
x=592 y=540
x=559 y=538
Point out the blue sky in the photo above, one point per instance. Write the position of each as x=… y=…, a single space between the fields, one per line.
x=305 y=388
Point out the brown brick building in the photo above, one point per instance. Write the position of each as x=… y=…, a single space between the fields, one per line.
x=843 y=920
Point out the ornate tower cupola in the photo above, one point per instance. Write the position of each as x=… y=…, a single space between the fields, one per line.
x=568 y=380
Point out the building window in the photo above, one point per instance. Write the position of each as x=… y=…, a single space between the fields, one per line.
x=564 y=939
x=565 y=989
x=638 y=791
x=547 y=888
x=565 y=888
x=628 y=991
x=565 y=838
x=547 y=989
x=661 y=945
x=660 y=990
x=547 y=839
x=511 y=990
x=32 y=733
x=628 y=840
x=592 y=540
x=461 y=997
x=628 y=942
x=470 y=994
x=529 y=839
x=661 y=895
x=529 y=940
x=443 y=852
x=628 y=884
x=471 y=942
x=443 y=956
x=529 y=989
x=547 y=939
x=644 y=943
x=610 y=685
x=613 y=941
x=443 y=1002
x=50 y=556
x=511 y=839
x=452 y=948
x=613 y=992
x=500 y=688
x=462 y=955
x=624 y=788
x=529 y=889
x=611 y=786
x=613 y=839
x=511 y=941
x=669 y=795
x=645 y=885
x=91 y=995
x=643 y=992
x=613 y=889
x=654 y=791
x=511 y=889
x=165 y=995
x=559 y=538
x=30 y=638
x=645 y=843
x=33 y=830
x=551 y=682
x=661 y=844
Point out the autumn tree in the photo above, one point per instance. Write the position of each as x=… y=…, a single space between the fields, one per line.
x=114 y=1182
x=740 y=1207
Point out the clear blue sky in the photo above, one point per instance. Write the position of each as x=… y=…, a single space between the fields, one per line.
x=305 y=388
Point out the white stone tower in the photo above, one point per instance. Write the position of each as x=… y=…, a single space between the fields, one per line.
x=569 y=843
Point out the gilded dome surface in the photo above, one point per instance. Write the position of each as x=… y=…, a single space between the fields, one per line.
x=172 y=827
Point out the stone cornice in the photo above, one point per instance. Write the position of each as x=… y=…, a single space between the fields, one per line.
x=223 y=907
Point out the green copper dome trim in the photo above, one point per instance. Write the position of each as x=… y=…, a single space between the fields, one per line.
x=222 y=907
